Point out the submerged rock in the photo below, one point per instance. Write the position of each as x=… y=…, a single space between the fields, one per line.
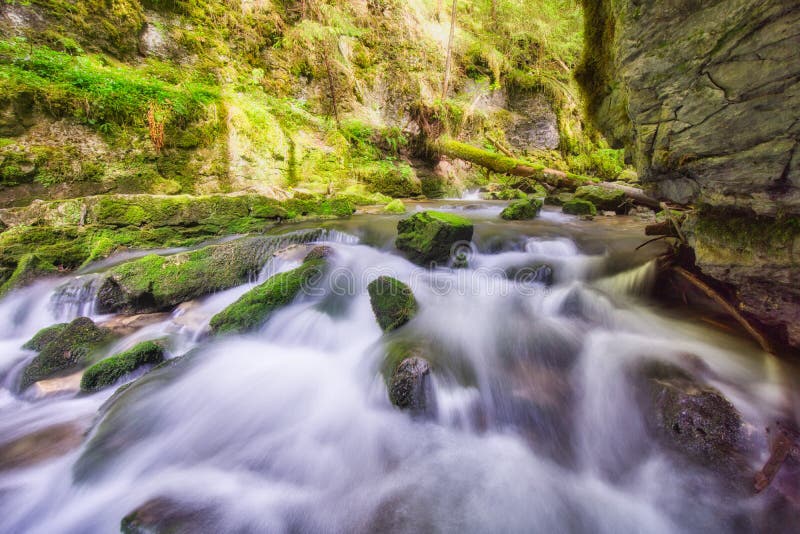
x=72 y=349
x=392 y=302
x=105 y=372
x=558 y=199
x=602 y=198
x=522 y=209
x=166 y=515
x=410 y=386
x=692 y=417
x=429 y=236
x=41 y=445
x=579 y=207
x=255 y=307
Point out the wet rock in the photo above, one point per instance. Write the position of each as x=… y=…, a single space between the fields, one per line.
x=395 y=206
x=106 y=372
x=70 y=350
x=29 y=267
x=255 y=307
x=123 y=325
x=167 y=515
x=522 y=209
x=428 y=237
x=40 y=445
x=579 y=207
x=692 y=417
x=392 y=302
x=540 y=273
x=602 y=198
x=410 y=386
x=61 y=385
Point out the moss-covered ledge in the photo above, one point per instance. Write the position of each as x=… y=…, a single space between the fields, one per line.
x=759 y=257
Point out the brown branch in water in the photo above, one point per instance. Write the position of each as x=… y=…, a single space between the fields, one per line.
x=779 y=452
x=652 y=240
x=728 y=307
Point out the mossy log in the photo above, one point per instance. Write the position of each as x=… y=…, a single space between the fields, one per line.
x=515 y=167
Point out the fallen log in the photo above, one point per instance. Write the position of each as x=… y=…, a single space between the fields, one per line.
x=503 y=164
x=666 y=229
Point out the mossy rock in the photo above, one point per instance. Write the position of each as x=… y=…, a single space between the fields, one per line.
x=392 y=302
x=395 y=206
x=602 y=198
x=558 y=199
x=29 y=267
x=105 y=372
x=157 y=283
x=428 y=237
x=519 y=210
x=579 y=207
x=255 y=307
x=508 y=194
x=72 y=349
x=44 y=336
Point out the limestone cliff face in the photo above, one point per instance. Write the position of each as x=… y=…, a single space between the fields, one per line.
x=705 y=94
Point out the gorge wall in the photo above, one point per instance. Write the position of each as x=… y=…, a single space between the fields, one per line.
x=705 y=95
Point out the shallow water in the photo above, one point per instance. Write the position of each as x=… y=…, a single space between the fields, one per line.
x=289 y=429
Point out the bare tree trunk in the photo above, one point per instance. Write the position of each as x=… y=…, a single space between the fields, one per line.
x=494 y=13
x=331 y=83
x=449 y=50
x=438 y=10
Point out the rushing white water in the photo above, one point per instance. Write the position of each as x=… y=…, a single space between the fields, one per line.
x=289 y=429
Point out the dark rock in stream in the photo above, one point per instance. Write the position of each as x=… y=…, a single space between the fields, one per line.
x=692 y=417
x=410 y=386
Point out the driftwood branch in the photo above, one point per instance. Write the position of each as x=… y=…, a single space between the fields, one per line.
x=727 y=306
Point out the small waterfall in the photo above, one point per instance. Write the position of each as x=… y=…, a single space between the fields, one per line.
x=75 y=298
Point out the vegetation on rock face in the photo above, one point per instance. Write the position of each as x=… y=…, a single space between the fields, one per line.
x=392 y=301
x=578 y=207
x=45 y=336
x=428 y=237
x=254 y=308
x=107 y=371
x=395 y=206
x=71 y=349
x=518 y=210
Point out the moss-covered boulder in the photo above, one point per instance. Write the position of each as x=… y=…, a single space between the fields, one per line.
x=520 y=210
x=255 y=307
x=395 y=206
x=428 y=237
x=392 y=302
x=579 y=207
x=602 y=198
x=155 y=283
x=558 y=199
x=44 y=336
x=105 y=372
x=71 y=349
x=410 y=386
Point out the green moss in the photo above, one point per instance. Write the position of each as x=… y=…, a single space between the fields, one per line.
x=29 y=267
x=107 y=371
x=395 y=206
x=45 y=336
x=522 y=209
x=255 y=307
x=429 y=236
x=579 y=207
x=71 y=349
x=396 y=180
x=603 y=199
x=490 y=160
x=392 y=302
